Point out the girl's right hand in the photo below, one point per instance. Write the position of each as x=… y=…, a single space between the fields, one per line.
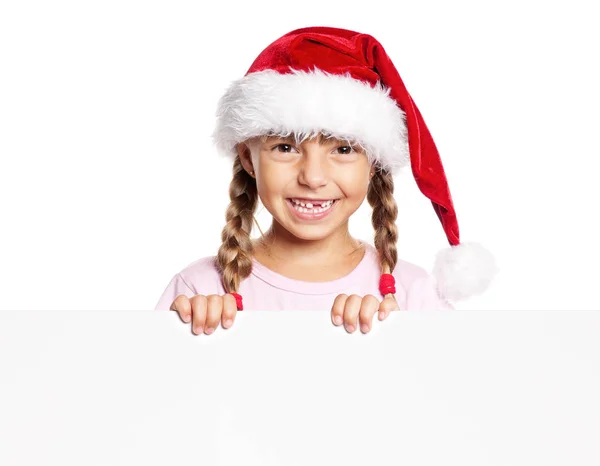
x=205 y=312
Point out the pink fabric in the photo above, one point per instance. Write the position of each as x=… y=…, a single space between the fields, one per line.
x=265 y=290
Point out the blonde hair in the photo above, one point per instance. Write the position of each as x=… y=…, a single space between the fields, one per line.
x=380 y=196
x=234 y=258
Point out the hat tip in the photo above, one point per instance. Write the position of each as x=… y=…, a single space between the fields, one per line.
x=464 y=270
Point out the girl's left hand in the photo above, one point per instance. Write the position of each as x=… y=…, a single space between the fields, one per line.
x=348 y=309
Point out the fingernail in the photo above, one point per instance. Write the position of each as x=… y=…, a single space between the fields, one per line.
x=228 y=323
x=364 y=328
x=209 y=330
x=381 y=315
x=337 y=320
x=350 y=328
x=186 y=319
x=198 y=330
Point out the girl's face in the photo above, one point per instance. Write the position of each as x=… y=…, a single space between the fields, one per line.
x=311 y=189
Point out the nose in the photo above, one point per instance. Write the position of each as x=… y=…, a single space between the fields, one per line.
x=313 y=172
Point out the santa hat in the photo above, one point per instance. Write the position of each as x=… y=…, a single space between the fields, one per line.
x=342 y=83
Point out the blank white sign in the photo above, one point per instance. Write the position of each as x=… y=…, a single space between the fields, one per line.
x=289 y=388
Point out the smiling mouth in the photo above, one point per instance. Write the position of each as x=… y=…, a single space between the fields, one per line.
x=312 y=206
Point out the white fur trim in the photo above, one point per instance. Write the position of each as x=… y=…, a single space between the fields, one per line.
x=309 y=102
x=464 y=270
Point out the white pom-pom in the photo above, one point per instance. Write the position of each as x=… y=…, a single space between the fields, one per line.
x=464 y=270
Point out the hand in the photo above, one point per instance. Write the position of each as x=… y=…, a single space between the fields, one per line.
x=206 y=311
x=346 y=309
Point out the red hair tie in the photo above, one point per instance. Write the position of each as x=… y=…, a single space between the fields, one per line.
x=387 y=284
x=238 y=301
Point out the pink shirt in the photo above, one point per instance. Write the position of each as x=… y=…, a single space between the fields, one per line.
x=265 y=290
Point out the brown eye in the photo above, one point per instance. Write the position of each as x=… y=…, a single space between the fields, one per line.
x=348 y=151
x=283 y=145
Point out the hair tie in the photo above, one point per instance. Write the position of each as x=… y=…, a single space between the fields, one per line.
x=238 y=301
x=387 y=284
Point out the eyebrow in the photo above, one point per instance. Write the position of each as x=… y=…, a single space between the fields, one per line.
x=321 y=139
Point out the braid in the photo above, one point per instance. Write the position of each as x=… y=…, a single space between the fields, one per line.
x=385 y=211
x=234 y=259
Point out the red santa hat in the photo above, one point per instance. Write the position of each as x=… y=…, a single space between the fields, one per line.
x=342 y=83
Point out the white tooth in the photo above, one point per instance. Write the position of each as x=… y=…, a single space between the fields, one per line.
x=309 y=208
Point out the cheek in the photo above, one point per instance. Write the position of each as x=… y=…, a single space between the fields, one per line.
x=271 y=183
x=354 y=185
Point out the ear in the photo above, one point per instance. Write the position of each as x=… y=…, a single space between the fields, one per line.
x=245 y=155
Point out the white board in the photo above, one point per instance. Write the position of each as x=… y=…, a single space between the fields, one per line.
x=289 y=388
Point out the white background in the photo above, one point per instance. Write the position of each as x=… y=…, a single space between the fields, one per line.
x=109 y=183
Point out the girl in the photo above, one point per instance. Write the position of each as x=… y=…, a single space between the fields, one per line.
x=320 y=121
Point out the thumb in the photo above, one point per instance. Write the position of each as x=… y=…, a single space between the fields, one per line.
x=388 y=305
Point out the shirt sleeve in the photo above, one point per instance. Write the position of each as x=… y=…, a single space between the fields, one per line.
x=176 y=287
x=423 y=295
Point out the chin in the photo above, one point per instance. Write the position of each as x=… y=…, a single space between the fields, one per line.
x=310 y=233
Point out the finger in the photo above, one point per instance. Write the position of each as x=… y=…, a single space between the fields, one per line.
x=183 y=307
x=198 y=313
x=213 y=315
x=368 y=308
x=337 y=311
x=388 y=305
x=351 y=310
x=229 y=310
